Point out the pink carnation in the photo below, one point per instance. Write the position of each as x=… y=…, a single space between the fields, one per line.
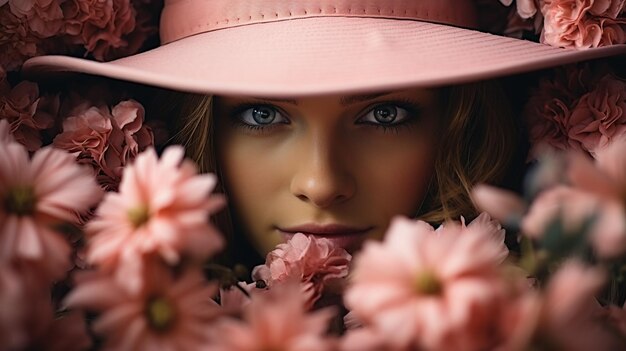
x=145 y=31
x=86 y=135
x=41 y=192
x=17 y=43
x=105 y=139
x=579 y=108
x=581 y=23
x=169 y=312
x=162 y=208
x=600 y=115
x=99 y=25
x=316 y=262
x=428 y=289
x=275 y=320
x=44 y=17
x=548 y=110
x=28 y=113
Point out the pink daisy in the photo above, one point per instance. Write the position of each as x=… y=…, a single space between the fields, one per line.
x=565 y=316
x=170 y=312
x=27 y=316
x=596 y=190
x=316 y=262
x=38 y=194
x=162 y=207
x=276 y=319
x=430 y=289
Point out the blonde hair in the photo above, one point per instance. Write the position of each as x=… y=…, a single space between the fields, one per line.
x=478 y=141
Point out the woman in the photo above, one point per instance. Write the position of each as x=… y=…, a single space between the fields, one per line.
x=341 y=166
x=331 y=117
x=326 y=118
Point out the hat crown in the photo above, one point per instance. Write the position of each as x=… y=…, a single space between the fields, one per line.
x=183 y=18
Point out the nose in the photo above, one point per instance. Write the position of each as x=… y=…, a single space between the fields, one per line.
x=322 y=177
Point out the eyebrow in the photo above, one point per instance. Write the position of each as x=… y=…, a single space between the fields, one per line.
x=344 y=100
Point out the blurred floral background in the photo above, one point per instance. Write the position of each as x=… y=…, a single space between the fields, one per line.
x=106 y=242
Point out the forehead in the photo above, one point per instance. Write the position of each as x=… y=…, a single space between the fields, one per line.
x=345 y=100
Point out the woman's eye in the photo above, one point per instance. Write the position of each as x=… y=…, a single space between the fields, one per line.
x=262 y=116
x=387 y=114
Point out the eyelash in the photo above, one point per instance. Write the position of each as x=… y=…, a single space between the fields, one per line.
x=413 y=109
x=256 y=129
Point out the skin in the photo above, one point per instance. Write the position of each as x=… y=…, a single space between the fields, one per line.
x=325 y=160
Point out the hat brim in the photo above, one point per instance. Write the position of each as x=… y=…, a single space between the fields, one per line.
x=323 y=55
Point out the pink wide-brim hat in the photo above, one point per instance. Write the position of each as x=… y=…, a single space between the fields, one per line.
x=305 y=47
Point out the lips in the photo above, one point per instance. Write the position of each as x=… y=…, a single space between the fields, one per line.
x=345 y=236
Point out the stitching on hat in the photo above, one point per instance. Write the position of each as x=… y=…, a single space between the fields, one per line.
x=352 y=11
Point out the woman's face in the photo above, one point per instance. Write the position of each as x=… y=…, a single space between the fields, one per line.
x=338 y=167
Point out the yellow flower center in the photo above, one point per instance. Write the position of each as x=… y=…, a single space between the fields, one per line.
x=160 y=313
x=139 y=216
x=427 y=283
x=20 y=201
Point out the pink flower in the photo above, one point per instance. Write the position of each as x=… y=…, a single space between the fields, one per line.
x=606 y=182
x=163 y=208
x=44 y=17
x=28 y=113
x=580 y=23
x=105 y=139
x=145 y=31
x=549 y=108
x=275 y=320
x=129 y=136
x=169 y=312
x=525 y=8
x=5 y=132
x=617 y=319
x=99 y=25
x=503 y=205
x=66 y=333
x=580 y=108
x=86 y=135
x=233 y=300
x=26 y=314
x=316 y=262
x=12 y=314
x=17 y=42
x=366 y=339
x=428 y=289
x=571 y=205
x=49 y=189
x=498 y=19
x=565 y=316
x=600 y=115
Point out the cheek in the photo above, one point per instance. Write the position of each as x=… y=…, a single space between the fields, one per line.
x=252 y=179
x=396 y=173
